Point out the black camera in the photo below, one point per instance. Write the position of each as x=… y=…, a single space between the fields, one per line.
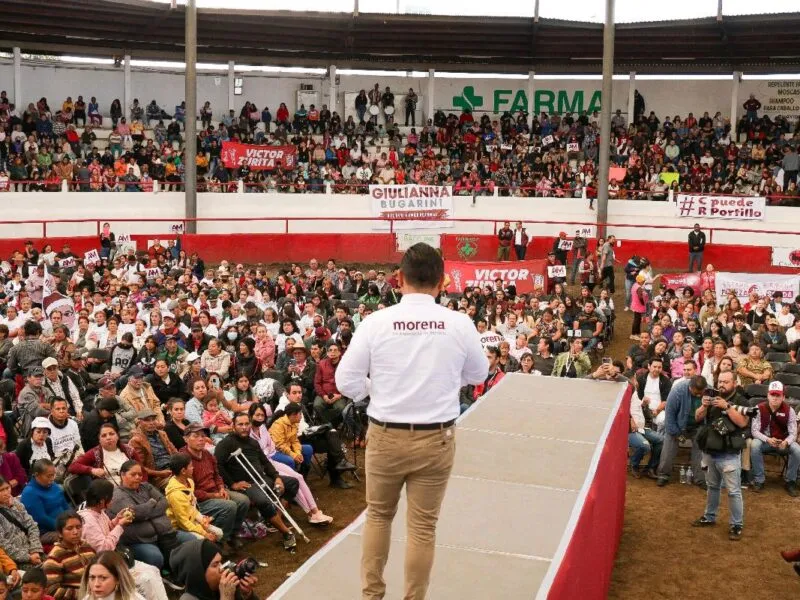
x=243 y=568
x=711 y=392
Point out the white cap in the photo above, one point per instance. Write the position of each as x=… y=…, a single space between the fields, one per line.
x=49 y=362
x=776 y=387
x=41 y=423
x=193 y=356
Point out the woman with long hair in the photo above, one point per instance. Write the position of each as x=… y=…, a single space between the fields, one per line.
x=304 y=497
x=108 y=578
x=527 y=364
x=105 y=461
x=245 y=362
x=725 y=365
x=240 y=397
x=738 y=348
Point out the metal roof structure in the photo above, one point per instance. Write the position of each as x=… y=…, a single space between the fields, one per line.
x=105 y=28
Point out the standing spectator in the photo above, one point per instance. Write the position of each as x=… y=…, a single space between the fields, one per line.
x=505 y=237
x=640 y=300
x=683 y=400
x=561 y=247
x=411 y=107
x=579 y=252
x=697 y=243
x=520 y=241
x=607 y=259
x=752 y=106
x=791 y=165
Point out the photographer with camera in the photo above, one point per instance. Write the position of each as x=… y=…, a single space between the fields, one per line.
x=198 y=565
x=722 y=437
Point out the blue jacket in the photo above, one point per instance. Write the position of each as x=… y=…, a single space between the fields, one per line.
x=679 y=412
x=44 y=504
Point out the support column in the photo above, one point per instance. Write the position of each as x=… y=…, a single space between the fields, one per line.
x=18 y=79
x=332 y=88
x=531 y=101
x=190 y=165
x=430 y=107
x=127 y=97
x=631 y=97
x=737 y=78
x=231 y=82
x=605 y=119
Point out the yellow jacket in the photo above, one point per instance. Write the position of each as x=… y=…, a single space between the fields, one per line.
x=284 y=434
x=182 y=507
x=6 y=563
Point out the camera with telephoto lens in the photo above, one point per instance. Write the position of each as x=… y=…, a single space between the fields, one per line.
x=243 y=568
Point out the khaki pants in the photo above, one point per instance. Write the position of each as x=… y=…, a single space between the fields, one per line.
x=422 y=461
x=503 y=252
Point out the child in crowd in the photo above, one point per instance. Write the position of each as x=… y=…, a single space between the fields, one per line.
x=216 y=419
x=34 y=583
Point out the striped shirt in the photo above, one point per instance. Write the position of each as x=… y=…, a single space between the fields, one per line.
x=64 y=568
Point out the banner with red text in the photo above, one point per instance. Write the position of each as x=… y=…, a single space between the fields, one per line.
x=743 y=208
x=258 y=158
x=699 y=282
x=527 y=275
x=762 y=283
x=411 y=206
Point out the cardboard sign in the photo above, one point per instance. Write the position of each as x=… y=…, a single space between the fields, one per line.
x=123 y=238
x=154 y=273
x=66 y=263
x=573 y=147
x=548 y=140
x=565 y=245
x=556 y=271
x=586 y=231
x=91 y=257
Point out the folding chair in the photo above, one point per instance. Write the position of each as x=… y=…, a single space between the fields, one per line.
x=791 y=368
x=777 y=367
x=756 y=389
x=792 y=379
x=777 y=357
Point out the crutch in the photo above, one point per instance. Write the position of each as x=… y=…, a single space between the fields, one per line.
x=245 y=463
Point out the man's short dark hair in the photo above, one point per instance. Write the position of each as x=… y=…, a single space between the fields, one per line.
x=689 y=362
x=178 y=462
x=655 y=359
x=40 y=466
x=99 y=490
x=35 y=576
x=292 y=408
x=494 y=351
x=31 y=329
x=698 y=382
x=422 y=266
x=292 y=384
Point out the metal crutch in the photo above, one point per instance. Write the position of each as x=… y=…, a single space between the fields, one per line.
x=245 y=463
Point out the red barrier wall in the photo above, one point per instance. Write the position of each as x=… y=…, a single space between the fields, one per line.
x=381 y=248
x=663 y=255
x=585 y=569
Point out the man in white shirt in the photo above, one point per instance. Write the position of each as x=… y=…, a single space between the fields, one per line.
x=413 y=407
x=643 y=440
x=486 y=337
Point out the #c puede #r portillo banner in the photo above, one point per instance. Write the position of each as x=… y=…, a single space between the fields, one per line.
x=742 y=208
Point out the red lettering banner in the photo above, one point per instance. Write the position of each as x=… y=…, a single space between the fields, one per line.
x=258 y=158
x=699 y=282
x=527 y=276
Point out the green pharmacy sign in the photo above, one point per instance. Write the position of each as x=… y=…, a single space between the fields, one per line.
x=547 y=101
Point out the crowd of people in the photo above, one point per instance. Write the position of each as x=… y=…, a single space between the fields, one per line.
x=136 y=384
x=546 y=155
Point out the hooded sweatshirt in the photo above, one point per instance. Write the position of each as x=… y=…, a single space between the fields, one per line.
x=182 y=509
x=189 y=563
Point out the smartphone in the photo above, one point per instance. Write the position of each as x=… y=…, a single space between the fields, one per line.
x=607 y=360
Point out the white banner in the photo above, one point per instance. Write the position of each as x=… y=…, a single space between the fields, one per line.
x=565 y=244
x=91 y=257
x=786 y=256
x=743 y=208
x=556 y=271
x=154 y=273
x=411 y=206
x=762 y=283
x=406 y=240
x=586 y=231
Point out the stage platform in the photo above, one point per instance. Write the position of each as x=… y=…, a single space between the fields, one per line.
x=530 y=483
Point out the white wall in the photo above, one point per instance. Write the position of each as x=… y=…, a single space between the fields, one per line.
x=340 y=213
x=665 y=97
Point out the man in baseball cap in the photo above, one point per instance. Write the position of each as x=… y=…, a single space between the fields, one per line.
x=775 y=432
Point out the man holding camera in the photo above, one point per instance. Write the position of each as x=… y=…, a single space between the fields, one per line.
x=722 y=439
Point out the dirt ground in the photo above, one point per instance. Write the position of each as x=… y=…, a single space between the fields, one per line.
x=660 y=554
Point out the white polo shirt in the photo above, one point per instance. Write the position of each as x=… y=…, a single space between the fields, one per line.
x=411 y=359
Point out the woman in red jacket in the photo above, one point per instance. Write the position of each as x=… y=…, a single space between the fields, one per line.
x=282 y=116
x=103 y=461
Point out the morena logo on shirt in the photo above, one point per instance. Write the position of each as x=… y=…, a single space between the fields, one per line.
x=418 y=325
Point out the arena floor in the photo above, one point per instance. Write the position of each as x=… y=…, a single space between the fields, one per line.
x=660 y=554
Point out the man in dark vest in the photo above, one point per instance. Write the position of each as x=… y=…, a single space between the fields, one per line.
x=775 y=432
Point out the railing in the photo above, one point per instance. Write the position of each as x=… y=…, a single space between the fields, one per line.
x=240 y=186
x=178 y=226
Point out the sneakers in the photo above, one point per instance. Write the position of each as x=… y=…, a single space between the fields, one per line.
x=735 y=533
x=791 y=489
x=703 y=522
x=662 y=481
x=289 y=542
x=651 y=474
x=320 y=518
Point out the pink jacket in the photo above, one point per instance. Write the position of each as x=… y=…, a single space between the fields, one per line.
x=97 y=531
x=265 y=351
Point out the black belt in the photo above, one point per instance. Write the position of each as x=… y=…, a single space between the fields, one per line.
x=413 y=426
